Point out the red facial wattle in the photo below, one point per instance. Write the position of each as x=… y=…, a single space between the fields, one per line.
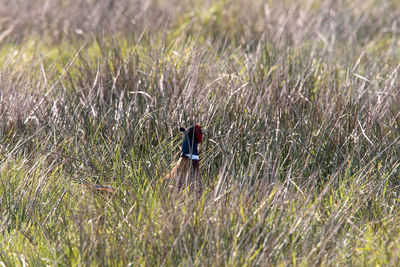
x=198 y=134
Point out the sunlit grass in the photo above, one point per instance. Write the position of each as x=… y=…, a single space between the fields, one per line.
x=300 y=160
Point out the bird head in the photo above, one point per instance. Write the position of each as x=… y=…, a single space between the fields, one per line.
x=194 y=130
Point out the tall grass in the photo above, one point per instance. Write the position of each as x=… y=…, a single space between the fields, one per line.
x=301 y=106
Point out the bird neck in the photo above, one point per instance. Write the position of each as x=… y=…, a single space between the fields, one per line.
x=189 y=147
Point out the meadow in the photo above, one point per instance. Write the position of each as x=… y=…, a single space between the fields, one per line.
x=300 y=162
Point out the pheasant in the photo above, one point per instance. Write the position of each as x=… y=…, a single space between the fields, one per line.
x=186 y=171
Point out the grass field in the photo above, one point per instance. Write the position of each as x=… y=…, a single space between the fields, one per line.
x=301 y=104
